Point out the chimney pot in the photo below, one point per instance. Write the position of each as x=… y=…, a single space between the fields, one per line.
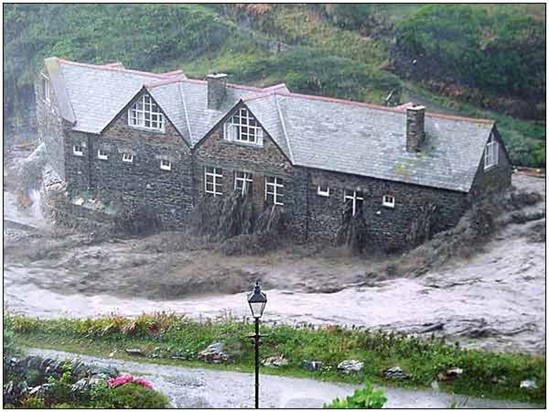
x=415 y=128
x=217 y=83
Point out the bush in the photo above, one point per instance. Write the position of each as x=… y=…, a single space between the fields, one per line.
x=133 y=395
x=495 y=48
x=366 y=398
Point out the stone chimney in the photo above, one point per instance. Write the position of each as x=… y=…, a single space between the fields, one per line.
x=415 y=128
x=217 y=83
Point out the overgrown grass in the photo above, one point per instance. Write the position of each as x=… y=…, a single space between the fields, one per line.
x=492 y=375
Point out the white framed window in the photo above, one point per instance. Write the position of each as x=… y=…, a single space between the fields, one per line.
x=146 y=114
x=323 y=190
x=165 y=164
x=491 y=153
x=274 y=190
x=243 y=182
x=46 y=88
x=354 y=198
x=127 y=157
x=78 y=150
x=102 y=155
x=242 y=127
x=388 y=201
x=213 y=180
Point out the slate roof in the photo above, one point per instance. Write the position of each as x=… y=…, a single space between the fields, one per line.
x=362 y=140
x=312 y=131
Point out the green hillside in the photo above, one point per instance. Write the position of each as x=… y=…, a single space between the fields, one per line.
x=482 y=61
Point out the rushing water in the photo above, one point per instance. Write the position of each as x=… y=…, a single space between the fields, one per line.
x=496 y=300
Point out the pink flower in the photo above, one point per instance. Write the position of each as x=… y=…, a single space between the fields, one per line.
x=124 y=379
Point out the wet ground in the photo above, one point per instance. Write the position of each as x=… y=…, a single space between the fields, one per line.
x=493 y=300
x=200 y=388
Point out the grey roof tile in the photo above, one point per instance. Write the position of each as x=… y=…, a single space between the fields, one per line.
x=372 y=142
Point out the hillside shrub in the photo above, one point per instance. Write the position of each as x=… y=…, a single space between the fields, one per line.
x=494 y=48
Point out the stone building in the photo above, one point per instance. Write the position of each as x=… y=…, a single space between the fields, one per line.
x=161 y=141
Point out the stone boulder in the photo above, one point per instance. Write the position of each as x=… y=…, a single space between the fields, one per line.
x=528 y=384
x=214 y=354
x=311 y=365
x=275 y=361
x=395 y=373
x=450 y=374
x=348 y=366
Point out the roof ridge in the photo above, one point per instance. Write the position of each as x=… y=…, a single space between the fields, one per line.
x=378 y=107
x=164 y=81
x=110 y=68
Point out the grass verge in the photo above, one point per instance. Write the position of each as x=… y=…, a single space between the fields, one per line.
x=175 y=340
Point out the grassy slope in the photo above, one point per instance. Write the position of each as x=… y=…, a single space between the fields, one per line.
x=493 y=375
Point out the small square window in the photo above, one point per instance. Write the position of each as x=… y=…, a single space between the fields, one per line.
x=165 y=164
x=102 y=155
x=323 y=190
x=388 y=201
x=127 y=157
x=78 y=150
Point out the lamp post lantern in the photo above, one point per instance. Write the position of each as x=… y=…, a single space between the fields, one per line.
x=257 y=301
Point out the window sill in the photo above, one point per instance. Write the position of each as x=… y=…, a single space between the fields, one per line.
x=146 y=129
x=490 y=167
x=244 y=144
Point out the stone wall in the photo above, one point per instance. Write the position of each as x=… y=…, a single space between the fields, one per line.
x=387 y=227
x=170 y=195
x=50 y=127
x=260 y=161
x=166 y=194
x=495 y=179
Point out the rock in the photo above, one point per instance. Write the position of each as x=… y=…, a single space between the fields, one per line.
x=395 y=373
x=83 y=385
x=275 y=361
x=450 y=374
x=105 y=371
x=528 y=384
x=349 y=366
x=214 y=354
x=135 y=352
x=41 y=391
x=311 y=365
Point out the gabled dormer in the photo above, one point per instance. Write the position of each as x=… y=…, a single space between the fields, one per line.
x=145 y=114
x=242 y=127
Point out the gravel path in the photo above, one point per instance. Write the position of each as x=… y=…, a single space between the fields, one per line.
x=200 y=388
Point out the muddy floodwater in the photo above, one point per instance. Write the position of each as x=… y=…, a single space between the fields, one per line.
x=493 y=300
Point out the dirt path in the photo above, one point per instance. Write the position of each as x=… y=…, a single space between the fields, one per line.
x=494 y=300
x=203 y=388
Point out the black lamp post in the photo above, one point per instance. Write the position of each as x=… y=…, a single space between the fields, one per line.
x=257 y=301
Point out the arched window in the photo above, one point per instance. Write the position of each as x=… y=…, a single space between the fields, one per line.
x=242 y=127
x=145 y=114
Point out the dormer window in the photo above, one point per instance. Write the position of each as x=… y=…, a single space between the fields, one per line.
x=491 y=153
x=242 y=127
x=145 y=114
